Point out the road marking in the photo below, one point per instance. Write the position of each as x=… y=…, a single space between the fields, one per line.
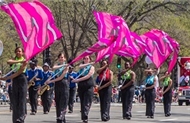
x=70 y=115
x=169 y=119
x=140 y=111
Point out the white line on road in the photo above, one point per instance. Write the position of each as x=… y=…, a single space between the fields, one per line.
x=168 y=119
x=140 y=111
x=70 y=115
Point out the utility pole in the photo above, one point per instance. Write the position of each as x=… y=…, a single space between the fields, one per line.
x=119 y=69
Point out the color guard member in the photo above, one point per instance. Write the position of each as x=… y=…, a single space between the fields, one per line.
x=150 y=93
x=19 y=86
x=127 y=90
x=85 y=87
x=167 y=93
x=105 y=89
x=61 y=88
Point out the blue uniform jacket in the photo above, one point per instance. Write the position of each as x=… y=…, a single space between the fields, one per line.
x=73 y=75
x=32 y=73
x=46 y=75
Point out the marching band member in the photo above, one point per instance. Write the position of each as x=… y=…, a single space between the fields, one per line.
x=167 y=93
x=34 y=75
x=19 y=86
x=46 y=97
x=127 y=90
x=85 y=86
x=61 y=88
x=150 y=93
x=105 y=89
x=72 y=88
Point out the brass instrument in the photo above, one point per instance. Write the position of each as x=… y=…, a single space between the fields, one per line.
x=46 y=87
x=31 y=82
x=43 y=89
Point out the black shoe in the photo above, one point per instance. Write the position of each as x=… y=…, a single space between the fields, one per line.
x=152 y=117
x=18 y=121
x=70 y=111
x=105 y=120
x=61 y=121
x=85 y=121
x=46 y=112
x=148 y=116
x=32 y=113
x=167 y=115
x=128 y=118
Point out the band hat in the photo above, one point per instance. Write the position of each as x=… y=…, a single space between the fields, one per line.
x=46 y=64
x=32 y=62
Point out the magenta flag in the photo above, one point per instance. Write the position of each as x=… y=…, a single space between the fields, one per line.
x=133 y=48
x=106 y=27
x=121 y=45
x=173 y=61
x=153 y=51
x=138 y=43
x=35 y=26
x=107 y=33
x=159 y=46
x=98 y=46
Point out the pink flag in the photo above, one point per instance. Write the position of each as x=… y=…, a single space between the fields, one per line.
x=159 y=46
x=107 y=33
x=35 y=25
x=173 y=61
x=154 y=52
x=138 y=43
x=98 y=46
x=123 y=42
x=133 y=48
x=106 y=27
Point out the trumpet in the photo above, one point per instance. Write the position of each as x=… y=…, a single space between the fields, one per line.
x=31 y=82
x=43 y=89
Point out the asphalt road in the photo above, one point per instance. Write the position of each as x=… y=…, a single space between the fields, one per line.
x=180 y=114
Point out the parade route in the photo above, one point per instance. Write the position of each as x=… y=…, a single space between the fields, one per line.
x=180 y=114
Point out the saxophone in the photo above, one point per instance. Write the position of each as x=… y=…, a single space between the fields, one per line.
x=44 y=87
x=31 y=82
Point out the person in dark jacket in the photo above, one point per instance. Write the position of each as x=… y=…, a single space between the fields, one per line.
x=46 y=97
x=34 y=75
